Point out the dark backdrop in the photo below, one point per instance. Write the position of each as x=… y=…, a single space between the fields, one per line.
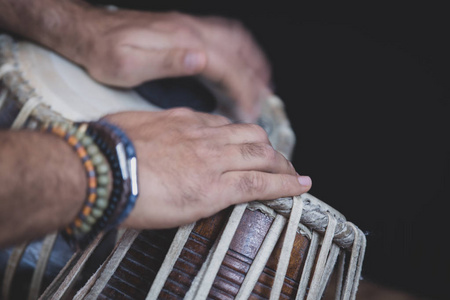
x=366 y=88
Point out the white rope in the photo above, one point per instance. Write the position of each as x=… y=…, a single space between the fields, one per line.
x=70 y=272
x=340 y=276
x=307 y=268
x=323 y=255
x=362 y=241
x=3 y=95
x=261 y=258
x=3 y=70
x=217 y=257
x=113 y=263
x=6 y=68
x=41 y=266
x=329 y=267
x=190 y=295
x=25 y=112
x=172 y=255
x=315 y=217
x=11 y=267
x=283 y=261
x=353 y=265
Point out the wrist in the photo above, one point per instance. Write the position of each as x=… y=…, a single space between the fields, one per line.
x=110 y=164
x=67 y=27
x=71 y=29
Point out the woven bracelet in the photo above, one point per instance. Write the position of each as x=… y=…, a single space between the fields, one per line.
x=105 y=150
x=125 y=156
x=121 y=156
x=131 y=161
x=97 y=171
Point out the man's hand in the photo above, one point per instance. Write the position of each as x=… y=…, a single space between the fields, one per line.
x=125 y=48
x=192 y=165
x=130 y=47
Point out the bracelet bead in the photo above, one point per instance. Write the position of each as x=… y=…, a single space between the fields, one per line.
x=109 y=160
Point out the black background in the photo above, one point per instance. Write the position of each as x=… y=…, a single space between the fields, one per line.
x=366 y=87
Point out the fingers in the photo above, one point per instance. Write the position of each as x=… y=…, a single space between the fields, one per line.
x=248 y=186
x=184 y=114
x=240 y=134
x=239 y=81
x=240 y=42
x=140 y=64
x=254 y=156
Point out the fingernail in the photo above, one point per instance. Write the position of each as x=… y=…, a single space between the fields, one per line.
x=194 y=61
x=304 y=180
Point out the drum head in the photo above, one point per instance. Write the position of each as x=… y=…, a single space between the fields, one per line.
x=69 y=90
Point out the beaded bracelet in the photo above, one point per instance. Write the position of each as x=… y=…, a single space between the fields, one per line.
x=131 y=161
x=107 y=146
x=92 y=211
x=104 y=150
x=121 y=156
x=97 y=174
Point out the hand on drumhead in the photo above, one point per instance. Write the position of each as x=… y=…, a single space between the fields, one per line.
x=132 y=47
x=192 y=165
x=126 y=48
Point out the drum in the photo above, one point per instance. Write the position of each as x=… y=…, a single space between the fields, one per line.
x=286 y=248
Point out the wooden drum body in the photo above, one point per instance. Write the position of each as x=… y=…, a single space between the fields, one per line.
x=149 y=248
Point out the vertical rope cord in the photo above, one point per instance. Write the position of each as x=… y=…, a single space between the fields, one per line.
x=3 y=95
x=307 y=268
x=353 y=265
x=323 y=255
x=261 y=258
x=340 y=276
x=113 y=263
x=190 y=295
x=41 y=265
x=25 y=112
x=172 y=255
x=6 y=68
x=288 y=243
x=362 y=240
x=329 y=267
x=69 y=273
x=217 y=257
x=11 y=267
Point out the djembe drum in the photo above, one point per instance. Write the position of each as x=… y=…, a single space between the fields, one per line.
x=285 y=248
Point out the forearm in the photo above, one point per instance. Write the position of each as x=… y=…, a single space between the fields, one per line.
x=62 y=25
x=42 y=185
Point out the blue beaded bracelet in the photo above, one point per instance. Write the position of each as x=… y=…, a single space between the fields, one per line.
x=131 y=166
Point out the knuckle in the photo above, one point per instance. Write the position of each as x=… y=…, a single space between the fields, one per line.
x=122 y=67
x=222 y=119
x=239 y=30
x=258 y=132
x=258 y=150
x=174 y=14
x=251 y=183
x=238 y=26
x=180 y=112
x=287 y=186
x=184 y=34
x=179 y=17
x=173 y=59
